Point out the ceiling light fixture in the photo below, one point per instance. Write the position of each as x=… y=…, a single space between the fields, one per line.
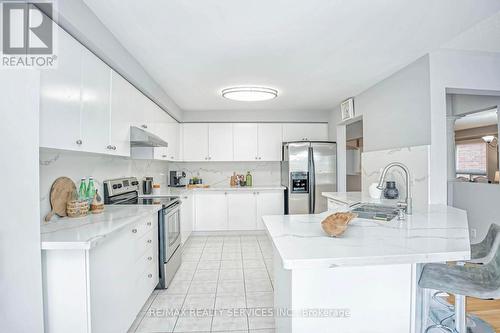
x=249 y=94
x=488 y=138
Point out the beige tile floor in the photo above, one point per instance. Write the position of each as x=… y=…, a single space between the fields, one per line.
x=223 y=285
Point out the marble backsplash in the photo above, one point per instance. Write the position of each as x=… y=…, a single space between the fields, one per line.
x=415 y=158
x=219 y=173
x=75 y=165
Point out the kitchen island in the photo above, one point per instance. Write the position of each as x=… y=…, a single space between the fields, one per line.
x=365 y=280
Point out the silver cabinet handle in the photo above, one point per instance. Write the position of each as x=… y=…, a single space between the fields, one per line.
x=209 y=157
x=149 y=223
x=150 y=258
x=184 y=197
x=134 y=231
x=79 y=141
x=144 y=126
x=260 y=158
x=150 y=276
x=149 y=241
x=164 y=156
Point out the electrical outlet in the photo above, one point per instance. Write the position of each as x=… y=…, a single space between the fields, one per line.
x=473 y=233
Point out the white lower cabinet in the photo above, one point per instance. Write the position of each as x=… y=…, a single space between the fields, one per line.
x=268 y=203
x=211 y=211
x=241 y=210
x=101 y=290
x=235 y=210
x=187 y=216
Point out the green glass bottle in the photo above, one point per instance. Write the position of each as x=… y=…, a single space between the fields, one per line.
x=248 y=179
x=90 y=190
x=82 y=191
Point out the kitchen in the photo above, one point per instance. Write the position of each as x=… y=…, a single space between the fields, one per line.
x=192 y=184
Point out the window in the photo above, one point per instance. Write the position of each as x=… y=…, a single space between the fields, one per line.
x=471 y=158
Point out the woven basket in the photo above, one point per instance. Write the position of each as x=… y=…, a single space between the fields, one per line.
x=336 y=224
x=76 y=208
x=97 y=208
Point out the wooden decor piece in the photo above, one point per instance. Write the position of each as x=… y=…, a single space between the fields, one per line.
x=60 y=193
x=197 y=186
x=335 y=225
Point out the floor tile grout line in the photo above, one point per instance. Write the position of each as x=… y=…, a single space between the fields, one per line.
x=244 y=286
x=217 y=286
x=190 y=282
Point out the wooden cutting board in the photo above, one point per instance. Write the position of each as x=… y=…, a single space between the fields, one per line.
x=60 y=193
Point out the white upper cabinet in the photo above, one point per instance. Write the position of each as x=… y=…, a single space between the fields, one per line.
x=269 y=142
x=60 y=97
x=305 y=132
x=172 y=137
x=195 y=142
x=95 y=107
x=220 y=142
x=245 y=142
x=122 y=112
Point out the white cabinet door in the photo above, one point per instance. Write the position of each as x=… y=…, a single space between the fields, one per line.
x=220 y=142
x=187 y=216
x=268 y=203
x=305 y=132
x=211 y=211
x=241 y=210
x=269 y=142
x=195 y=142
x=60 y=97
x=173 y=141
x=122 y=113
x=245 y=142
x=95 y=108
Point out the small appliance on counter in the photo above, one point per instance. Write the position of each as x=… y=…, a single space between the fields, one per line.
x=125 y=191
x=147 y=185
x=176 y=178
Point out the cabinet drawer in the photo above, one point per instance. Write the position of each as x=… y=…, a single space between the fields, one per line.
x=140 y=228
x=144 y=243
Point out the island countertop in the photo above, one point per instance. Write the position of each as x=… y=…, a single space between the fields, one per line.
x=439 y=234
x=84 y=233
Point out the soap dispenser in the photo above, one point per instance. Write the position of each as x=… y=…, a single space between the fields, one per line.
x=248 y=180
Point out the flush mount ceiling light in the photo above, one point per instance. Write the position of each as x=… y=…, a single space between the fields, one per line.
x=249 y=94
x=488 y=138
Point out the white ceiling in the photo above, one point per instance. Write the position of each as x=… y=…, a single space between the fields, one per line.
x=315 y=52
x=478 y=119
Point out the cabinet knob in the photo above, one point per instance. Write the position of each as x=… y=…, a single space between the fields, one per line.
x=149 y=241
x=164 y=156
x=150 y=258
x=185 y=197
x=149 y=223
x=150 y=276
x=79 y=142
x=260 y=158
x=114 y=147
x=209 y=157
x=134 y=231
x=144 y=126
x=110 y=147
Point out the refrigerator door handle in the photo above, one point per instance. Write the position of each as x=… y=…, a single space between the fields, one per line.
x=312 y=181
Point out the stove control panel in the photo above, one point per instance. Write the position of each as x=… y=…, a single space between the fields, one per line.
x=113 y=187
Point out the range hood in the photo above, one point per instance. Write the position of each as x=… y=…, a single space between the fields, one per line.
x=142 y=138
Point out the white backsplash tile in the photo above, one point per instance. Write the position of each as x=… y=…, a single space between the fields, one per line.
x=219 y=173
x=415 y=158
x=75 y=165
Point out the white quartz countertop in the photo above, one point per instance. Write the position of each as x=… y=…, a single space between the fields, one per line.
x=175 y=191
x=353 y=198
x=439 y=234
x=87 y=232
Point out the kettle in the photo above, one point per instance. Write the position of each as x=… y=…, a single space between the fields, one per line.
x=147 y=185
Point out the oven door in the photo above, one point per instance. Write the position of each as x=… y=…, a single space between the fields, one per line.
x=172 y=229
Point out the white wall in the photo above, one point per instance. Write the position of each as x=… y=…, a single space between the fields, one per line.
x=21 y=306
x=396 y=110
x=463 y=104
x=76 y=18
x=481 y=203
x=256 y=116
x=75 y=165
x=219 y=173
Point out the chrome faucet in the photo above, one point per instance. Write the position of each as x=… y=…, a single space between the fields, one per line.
x=407 y=204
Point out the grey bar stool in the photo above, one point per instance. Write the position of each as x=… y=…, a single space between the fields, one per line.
x=479 y=281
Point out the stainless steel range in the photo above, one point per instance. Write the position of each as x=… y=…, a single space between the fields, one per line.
x=125 y=191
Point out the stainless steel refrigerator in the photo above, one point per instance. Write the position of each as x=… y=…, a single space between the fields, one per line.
x=308 y=168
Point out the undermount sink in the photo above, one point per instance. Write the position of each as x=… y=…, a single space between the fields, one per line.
x=375 y=212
